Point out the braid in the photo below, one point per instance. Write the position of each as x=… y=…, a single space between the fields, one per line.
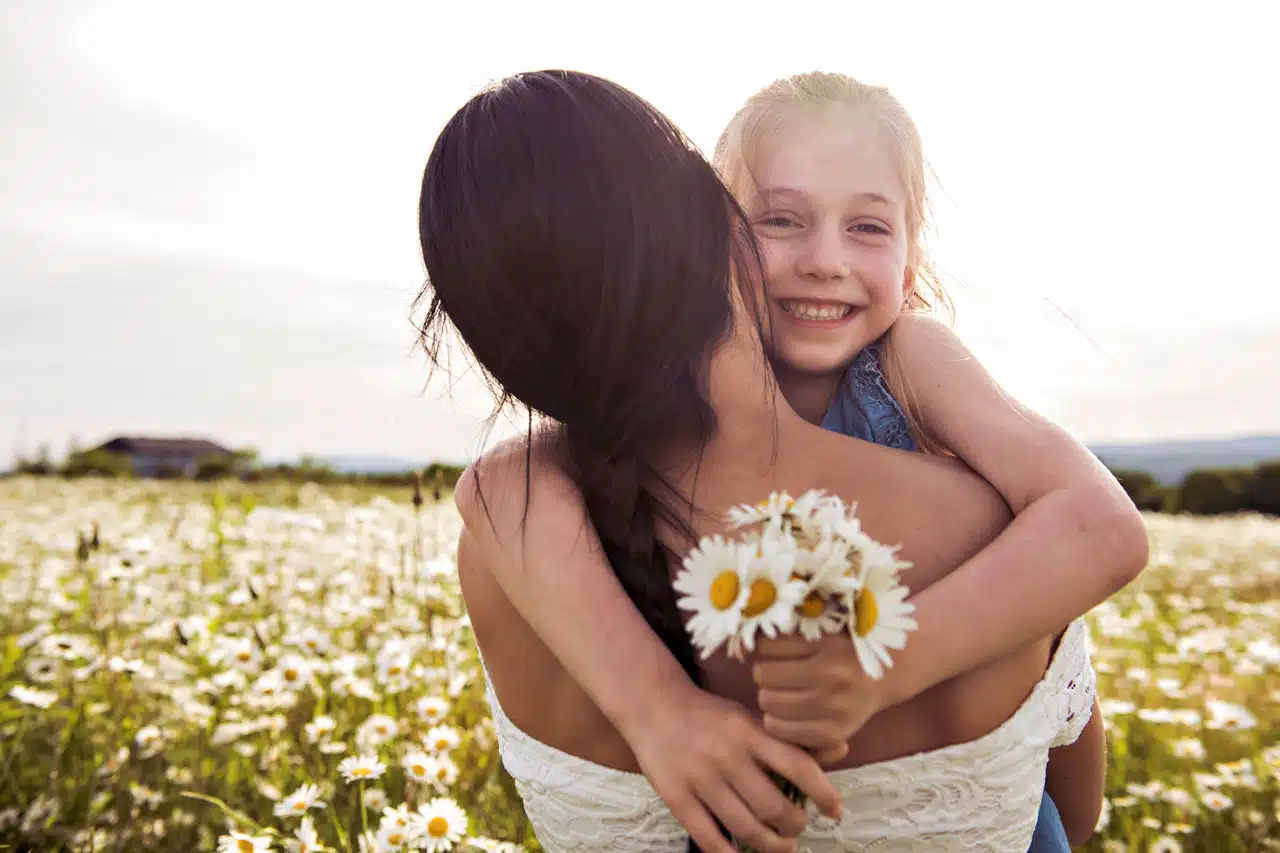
x=623 y=511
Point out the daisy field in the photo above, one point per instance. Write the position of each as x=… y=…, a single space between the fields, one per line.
x=258 y=667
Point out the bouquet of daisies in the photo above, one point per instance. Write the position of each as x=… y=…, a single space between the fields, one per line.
x=796 y=565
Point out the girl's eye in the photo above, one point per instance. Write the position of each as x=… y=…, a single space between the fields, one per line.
x=871 y=228
x=777 y=221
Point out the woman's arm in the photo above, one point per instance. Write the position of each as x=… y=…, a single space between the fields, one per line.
x=1076 y=538
x=1076 y=778
x=547 y=558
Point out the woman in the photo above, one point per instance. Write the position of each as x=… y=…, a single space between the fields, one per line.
x=578 y=244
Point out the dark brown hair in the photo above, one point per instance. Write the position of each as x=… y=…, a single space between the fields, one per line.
x=586 y=253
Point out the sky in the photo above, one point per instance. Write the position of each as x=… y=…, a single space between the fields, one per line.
x=208 y=214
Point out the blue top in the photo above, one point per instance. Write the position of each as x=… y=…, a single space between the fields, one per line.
x=864 y=408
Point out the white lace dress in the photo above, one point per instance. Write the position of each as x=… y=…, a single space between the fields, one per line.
x=983 y=795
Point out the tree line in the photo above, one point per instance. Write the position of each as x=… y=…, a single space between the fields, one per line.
x=1206 y=491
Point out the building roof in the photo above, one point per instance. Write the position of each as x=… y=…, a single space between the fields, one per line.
x=143 y=446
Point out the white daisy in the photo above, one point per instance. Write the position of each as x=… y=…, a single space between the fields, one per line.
x=294 y=672
x=297 y=803
x=391 y=835
x=445 y=772
x=442 y=739
x=419 y=766
x=319 y=728
x=375 y=799
x=1216 y=801
x=817 y=615
x=305 y=839
x=711 y=587
x=30 y=696
x=432 y=708
x=772 y=592
x=439 y=825
x=376 y=730
x=879 y=616
x=242 y=842
x=772 y=509
x=361 y=768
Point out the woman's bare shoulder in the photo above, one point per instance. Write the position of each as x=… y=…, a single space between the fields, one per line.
x=519 y=485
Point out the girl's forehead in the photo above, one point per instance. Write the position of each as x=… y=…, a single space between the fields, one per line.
x=829 y=155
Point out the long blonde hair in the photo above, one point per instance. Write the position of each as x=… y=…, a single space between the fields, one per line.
x=765 y=111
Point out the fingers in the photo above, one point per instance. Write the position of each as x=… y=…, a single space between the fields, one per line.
x=785 y=647
x=769 y=804
x=701 y=827
x=790 y=704
x=743 y=825
x=788 y=674
x=813 y=734
x=830 y=756
x=803 y=771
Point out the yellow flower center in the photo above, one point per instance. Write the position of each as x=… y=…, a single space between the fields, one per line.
x=244 y=657
x=418 y=770
x=394 y=670
x=866 y=612
x=438 y=827
x=244 y=845
x=299 y=806
x=724 y=590
x=442 y=773
x=382 y=730
x=761 y=597
x=361 y=772
x=291 y=674
x=442 y=743
x=395 y=837
x=431 y=712
x=813 y=606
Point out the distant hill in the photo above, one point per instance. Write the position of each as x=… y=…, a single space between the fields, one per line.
x=371 y=464
x=1170 y=461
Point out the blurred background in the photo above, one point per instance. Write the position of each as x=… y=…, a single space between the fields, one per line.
x=207 y=211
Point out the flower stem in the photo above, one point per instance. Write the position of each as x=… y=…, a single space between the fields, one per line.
x=364 y=817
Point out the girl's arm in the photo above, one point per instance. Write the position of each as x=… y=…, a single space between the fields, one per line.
x=1076 y=537
x=1076 y=778
x=546 y=557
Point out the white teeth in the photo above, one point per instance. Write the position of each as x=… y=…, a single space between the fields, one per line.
x=810 y=311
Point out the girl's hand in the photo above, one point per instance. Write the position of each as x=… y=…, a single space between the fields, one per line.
x=814 y=694
x=708 y=758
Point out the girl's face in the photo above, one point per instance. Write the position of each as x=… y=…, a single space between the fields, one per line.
x=830 y=215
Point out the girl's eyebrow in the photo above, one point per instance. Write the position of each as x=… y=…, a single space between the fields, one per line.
x=768 y=194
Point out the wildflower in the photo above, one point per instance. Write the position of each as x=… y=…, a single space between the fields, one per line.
x=305 y=839
x=297 y=803
x=432 y=708
x=442 y=739
x=242 y=842
x=361 y=768
x=1216 y=801
x=439 y=825
x=36 y=698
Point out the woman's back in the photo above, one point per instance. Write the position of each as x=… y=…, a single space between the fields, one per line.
x=939 y=511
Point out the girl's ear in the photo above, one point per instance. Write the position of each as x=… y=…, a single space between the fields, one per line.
x=908 y=283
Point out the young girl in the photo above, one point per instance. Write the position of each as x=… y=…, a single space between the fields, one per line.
x=831 y=174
